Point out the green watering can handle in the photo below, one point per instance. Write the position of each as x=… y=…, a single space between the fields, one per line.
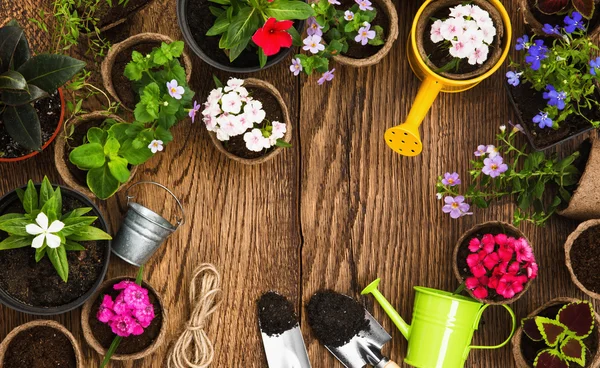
x=514 y=325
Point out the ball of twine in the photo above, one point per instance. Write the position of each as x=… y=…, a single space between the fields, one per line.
x=193 y=348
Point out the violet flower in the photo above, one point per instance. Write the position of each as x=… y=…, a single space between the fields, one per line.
x=494 y=166
x=456 y=207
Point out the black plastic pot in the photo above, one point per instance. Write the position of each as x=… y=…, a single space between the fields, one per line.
x=203 y=48
x=5 y=202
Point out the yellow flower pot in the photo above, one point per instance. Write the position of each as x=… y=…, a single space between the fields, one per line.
x=405 y=138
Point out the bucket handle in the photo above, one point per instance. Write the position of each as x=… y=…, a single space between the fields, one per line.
x=514 y=325
x=180 y=221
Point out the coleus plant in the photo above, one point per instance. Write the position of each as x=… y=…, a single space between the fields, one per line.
x=44 y=227
x=25 y=79
x=265 y=25
x=585 y=7
x=564 y=335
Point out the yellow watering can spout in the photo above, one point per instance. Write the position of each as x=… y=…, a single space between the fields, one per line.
x=387 y=307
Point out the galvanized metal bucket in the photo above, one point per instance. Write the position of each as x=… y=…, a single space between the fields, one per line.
x=143 y=230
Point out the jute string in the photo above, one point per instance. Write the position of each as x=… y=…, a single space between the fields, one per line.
x=193 y=348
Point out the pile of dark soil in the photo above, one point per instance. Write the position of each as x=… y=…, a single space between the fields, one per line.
x=40 y=347
x=276 y=314
x=585 y=258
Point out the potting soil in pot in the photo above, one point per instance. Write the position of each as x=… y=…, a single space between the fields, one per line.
x=48 y=110
x=335 y=318
x=355 y=49
x=126 y=90
x=530 y=348
x=38 y=284
x=585 y=258
x=132 y=344
x=236 y=145
x=276 y=314
x=40 y=347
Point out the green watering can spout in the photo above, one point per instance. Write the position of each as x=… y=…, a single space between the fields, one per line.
x=387 y=307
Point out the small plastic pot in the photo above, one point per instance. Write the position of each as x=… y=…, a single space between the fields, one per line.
x=583 y=227
x=484 y=228
x=54 y=135
x=95 y=344
x=62 y=147
x=257 y=83
x=115 y=50
x=391 y=33
x=41 y=323
x=518 y=337
x=5 y=202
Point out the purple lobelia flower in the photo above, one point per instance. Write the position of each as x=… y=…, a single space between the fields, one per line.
x=549 y=30
x=522 y=43
x=557 y=99
x=456 y=207
x=594 y=64
x=494 y=166
x=513 y=78
x=537 y=52
x=543 y=120
x=574 y=22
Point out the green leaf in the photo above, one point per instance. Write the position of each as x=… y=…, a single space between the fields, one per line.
x=282 y=143
x=23 y=125
x=11 y=216
x=14 y=242
x=9 y=39
x=133 y=71
x=15 y=226
x=147 y=109
x=243 y=25
x=573 y=350
x=217 y=81
x=262 y=57
x=114 y=345
x=135 y=156
x=58 y=257
x=97 y=135
x=221 y=24
x=90 y=233
x=140 y=276
x=78 y=212
x=46 y=192
x=101 y=182
x=296 y=37
x=74 y=224
x=40 y=253
x=15 y=98
x=552 y=331
x=163 y=134
x=118 y=168
x=237 y=49
x=289 y=10
x=550 y=358
x=50 y=71
x=53 y=206
x=534 y=160
x=111 y=147
x=88 y=156
x=73 y=246
x=30 y=198
x=13 y=81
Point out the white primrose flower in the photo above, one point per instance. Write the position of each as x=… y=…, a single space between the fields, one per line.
x=233 y=84
x=461 y=49
x=222 y=136
x=213 y=110
x=254 y=111
x=45 y=232
x=452 y=28
x=231 y=103
x=473 y=37
x=255 y=141
x=488 y=34
x=479 y=55
x=210 y=122
x=436 y=31
x=459 y=11
x=278 y=132
x=313 y=44
x=245 y=121
x=215 y=95
x=156 y=146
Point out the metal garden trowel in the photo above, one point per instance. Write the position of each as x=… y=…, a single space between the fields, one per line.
x=365 y=348
x=286 y=350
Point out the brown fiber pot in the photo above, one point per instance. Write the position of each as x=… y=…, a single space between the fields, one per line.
x=257 y=83
x=109 y=61
x=585 y=202
x=391 y=35
x=497 y=49
x=516 y=340
x=91 y=340
x=507 y=229
x=41 y=323
x=62 y=144
x=537 y=25
x=569 y=245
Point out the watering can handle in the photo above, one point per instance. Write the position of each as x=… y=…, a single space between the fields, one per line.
x=181 y=220
x=514 y=325
x=428 y=93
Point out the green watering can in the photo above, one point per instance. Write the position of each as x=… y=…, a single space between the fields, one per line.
x=442 y=327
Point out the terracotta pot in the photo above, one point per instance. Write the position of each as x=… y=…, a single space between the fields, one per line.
x=569 y=245
x=256 y=83
x=91 y=340
x=516 y=340
x=391 y=33
x=62 y=146
x=585 y=202
x=509 y=230
x=58 y=128
x=497 y=47
x=537 y=25
x=41 y=323
x=109 y=61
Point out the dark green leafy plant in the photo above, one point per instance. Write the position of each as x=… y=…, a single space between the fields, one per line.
x=564 y=335
x=44 y=227
x=25 y=79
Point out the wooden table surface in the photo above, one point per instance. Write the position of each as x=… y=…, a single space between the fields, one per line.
x=336 y=210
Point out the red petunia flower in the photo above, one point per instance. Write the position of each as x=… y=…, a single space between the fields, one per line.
x=273 y=36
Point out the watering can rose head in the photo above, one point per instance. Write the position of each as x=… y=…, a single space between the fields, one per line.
x=44 y=227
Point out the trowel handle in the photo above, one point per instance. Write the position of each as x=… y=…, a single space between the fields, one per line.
x=391 y=365
x=428 y=93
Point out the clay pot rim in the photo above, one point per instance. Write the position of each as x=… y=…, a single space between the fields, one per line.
x=41 y=323
x=61 y=121
x=468 y=234
x=91 y=340
x=583 y=227
x=257 y=83
x=116 y=49
x=516 y=340
x=59 y=152
x=392 y=13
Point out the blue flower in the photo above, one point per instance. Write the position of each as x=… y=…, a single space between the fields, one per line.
x=594 y=64
x=543 y=120
x=574 y=22
x=513 y=78
x=549 y=88
x=557 y=99
x=522 y=43
x=537 y=52
x=549 y=30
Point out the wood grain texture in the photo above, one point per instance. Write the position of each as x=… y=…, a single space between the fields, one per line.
x=336 y=210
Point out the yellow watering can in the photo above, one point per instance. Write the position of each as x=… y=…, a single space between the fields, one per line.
x=405 y=138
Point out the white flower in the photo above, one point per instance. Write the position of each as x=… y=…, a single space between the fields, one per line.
x=245 y=121
x=348 y=15
x=459 y=11
x=215 y=95
x=45 y=232
x=211 y=123
x=255 y=141
x=502 y=128
x=231 y=125
x=279 y=130
x=488 y=34
x=439 y=196
x=243 y=92
x=436 y=31
x=175 y=90
x=233 y=84
x=213 y=109
x=461 y=49
x=232 y=103
x=470 y=24
x=222 y=136
x=492 y=151
x=156 y=145
x=452 y=28
x=479 y=55
x=473 y=37
x=254 y=111
x=313 y=44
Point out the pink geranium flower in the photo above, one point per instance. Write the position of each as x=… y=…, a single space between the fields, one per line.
x=145 y=315
x=497 y=273
x=123 y=284
x=105 y=312
x=491 y=261
x=478 y=285
x=510 y=285
x=136 y=296
x=532 y=270
x=501 y=239
x=125 y=326
x=523 y=251
x=475 y=262
x=505 y=252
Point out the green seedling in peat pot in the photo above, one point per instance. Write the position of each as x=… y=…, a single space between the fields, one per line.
x=564 y=336
x=25 y=79
x=44 y=227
